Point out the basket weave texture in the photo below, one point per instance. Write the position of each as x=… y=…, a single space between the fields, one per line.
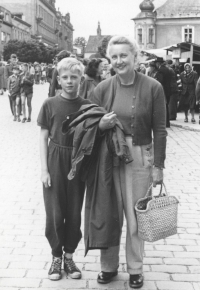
x=156 y=217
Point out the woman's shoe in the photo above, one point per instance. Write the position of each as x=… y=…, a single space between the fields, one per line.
x=186 y=120
x=193 y=120
x=15 y=119
x=24 y=120
x=106 y=277
x=136 y=281
x=18 y=119
x=29 y=120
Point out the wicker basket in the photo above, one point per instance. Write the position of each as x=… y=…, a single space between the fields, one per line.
x=156 y=216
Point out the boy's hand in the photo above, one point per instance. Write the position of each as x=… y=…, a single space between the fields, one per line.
x=107 y=121
x=46 y=179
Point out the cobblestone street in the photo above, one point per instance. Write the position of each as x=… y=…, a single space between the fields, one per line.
x=25 y=256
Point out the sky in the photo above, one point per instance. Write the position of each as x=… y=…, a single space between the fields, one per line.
x=114 y=16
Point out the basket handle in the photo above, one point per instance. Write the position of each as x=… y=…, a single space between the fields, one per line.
x=149 y=192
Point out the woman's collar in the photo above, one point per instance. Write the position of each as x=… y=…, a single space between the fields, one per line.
x=131 y=83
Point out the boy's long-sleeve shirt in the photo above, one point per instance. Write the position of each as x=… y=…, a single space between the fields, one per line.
x=14 y=85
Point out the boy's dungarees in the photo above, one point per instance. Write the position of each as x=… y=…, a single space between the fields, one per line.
x=63 y=201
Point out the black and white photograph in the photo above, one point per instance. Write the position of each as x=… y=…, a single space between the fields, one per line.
x=99 y=144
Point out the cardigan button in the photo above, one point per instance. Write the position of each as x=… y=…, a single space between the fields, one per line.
x=134 y=97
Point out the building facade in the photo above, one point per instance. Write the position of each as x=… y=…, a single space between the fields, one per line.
x=173 y=22
x=12 y=27
x=47 y=25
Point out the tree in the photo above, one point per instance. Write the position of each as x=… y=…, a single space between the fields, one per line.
x=29 y=51
x=81 y=42
x=103 y=45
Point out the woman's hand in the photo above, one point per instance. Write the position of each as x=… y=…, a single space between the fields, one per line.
x=157 y=175
x=108 y=121
x=46 y=179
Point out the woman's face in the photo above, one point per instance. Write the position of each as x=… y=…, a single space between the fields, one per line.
x=100 y=69
x=122 y=59
x=187 y=68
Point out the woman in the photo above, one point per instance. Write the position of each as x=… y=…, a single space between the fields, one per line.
x=138 y=102
x=93 y=72
x=188 y=99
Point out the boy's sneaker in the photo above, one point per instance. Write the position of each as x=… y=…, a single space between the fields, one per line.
x=71 y=269
x=55 y=270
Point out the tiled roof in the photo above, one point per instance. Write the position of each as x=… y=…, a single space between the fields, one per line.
x=93 y=43
x=180 y=8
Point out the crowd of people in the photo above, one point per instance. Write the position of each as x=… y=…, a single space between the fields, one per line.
x=180 y=84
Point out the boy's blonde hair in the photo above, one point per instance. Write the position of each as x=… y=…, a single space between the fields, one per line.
x=72 y=64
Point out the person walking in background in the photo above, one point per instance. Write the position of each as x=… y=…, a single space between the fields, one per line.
x=55 y=88
x=154 y=73
x=142 y=68
x=8 y=71
x=37 y=74
x=14 y=92
x=27 y=81
x=138 y=102
x=2 y=81
x=32 y=71
x=93 y=72
x=106 y=69
x=63 y=199
x=49 y=72
x=174 y=90
x=188 y=98
x=166 y=83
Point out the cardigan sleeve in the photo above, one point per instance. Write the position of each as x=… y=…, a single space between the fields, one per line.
x=159 y=126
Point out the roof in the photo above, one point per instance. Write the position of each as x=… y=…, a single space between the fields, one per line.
x=93 y=43
x=179 y=8
x=185 y=46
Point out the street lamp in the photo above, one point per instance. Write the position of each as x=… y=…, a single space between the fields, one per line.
x=1 y=21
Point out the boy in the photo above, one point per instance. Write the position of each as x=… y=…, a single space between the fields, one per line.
x=63 y=198
x=27 y=81
x=14 y=92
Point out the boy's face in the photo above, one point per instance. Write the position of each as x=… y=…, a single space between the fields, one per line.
x=15 y=71
x=69 y=81
x=24 y=68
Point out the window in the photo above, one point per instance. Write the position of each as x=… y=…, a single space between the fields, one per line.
x=151 y=35
x=3 y=36
x=139 y=35
x=188 y=34
x=46 y=17
x=8 y=37
x=7 y=17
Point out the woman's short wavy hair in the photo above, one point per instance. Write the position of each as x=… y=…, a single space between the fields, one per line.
x=72 y=64
x=134 y=48
x=92 y=67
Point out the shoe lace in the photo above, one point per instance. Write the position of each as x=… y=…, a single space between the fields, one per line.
x=71 y=265
x=56 y=263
